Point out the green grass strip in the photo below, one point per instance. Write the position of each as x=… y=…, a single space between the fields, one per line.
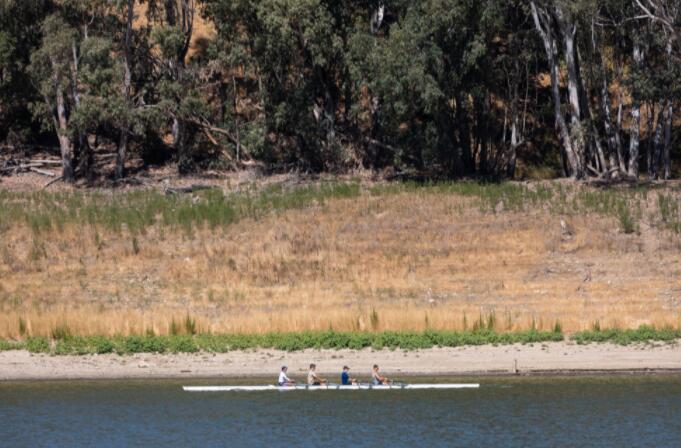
x=223 y=343
x=136 y=211
x=644 y=333
x=11 y=345
x=80 y=345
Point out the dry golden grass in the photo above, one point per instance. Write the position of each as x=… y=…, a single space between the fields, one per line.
x=408 y=261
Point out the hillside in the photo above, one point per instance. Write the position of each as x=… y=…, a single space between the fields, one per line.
x=297 y=255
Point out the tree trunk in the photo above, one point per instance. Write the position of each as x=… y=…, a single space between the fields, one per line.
x=65 y=144
x=618 y=134
x=657 y=142
x=634 y=141
x=516 y=137
x=481 y=133
x=579 y=137
x=668 y=141
x=542 y=21
x=82 y=153
x=464 y=163
x=650 y=122
x=127 y=82
x=669 y=122
x=181 y=16
x=614 y=144
x=236 y=120
x=611 y=138
x=516 y=141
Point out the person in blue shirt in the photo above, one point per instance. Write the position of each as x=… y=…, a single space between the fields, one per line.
x=345 y=377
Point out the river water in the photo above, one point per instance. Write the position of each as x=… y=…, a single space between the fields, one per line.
x=522 y=412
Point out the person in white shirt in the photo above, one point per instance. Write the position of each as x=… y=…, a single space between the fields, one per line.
x=312 y=378
x=285 y=380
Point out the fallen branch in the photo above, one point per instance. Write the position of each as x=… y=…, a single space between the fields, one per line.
x=214 y=141
x=27 y=146
x=207 y=126
x=28 y=166
x=594 y=171
x=47 y=162
x=43 y=172
x=190 y=189
x=610 y=172
x=380 y=144
x=53 y=181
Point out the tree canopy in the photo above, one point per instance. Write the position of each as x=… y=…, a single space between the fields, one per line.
x=441 y=88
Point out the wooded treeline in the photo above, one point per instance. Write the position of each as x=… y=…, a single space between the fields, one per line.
x=444 y=87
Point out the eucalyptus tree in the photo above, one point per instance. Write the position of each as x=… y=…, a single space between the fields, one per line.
x=52 y=71
x=297 y=51
x=19 y=37
x=127 y=9
x=666 y=13
x=665 y=18
x=172 y=28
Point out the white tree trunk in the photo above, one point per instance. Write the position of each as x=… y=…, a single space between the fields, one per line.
x=65 y=144
x=634 y=141
x=542 y=21
x=579 y=137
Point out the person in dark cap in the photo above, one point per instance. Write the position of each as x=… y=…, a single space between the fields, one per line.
x=345 y=377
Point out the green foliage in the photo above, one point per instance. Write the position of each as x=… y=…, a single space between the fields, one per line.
x=37 y=344
x=149 y=343
x=190 y=325
x=643 y=334
x=20 y=23
x=11 y=345
x=626 y=220
x=670 y=211
x=431 y=88
x=77 y=345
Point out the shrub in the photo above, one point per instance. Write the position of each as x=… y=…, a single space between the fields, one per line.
x=627 y=221
x=182 y=344
x=644 y=333
x=11 y=345
x=37 y=344
x=149 y=343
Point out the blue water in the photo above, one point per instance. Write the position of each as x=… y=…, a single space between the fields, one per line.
x=604 y=412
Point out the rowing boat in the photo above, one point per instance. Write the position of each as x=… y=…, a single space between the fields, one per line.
x=328 y=387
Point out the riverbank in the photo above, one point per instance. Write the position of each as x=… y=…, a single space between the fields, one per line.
x=524 y=359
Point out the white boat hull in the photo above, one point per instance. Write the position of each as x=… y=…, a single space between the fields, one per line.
x=329 y=387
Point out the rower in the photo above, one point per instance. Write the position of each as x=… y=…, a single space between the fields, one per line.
x=345 y=377
x=284 y=380
x=376 y=378
x=312 y=378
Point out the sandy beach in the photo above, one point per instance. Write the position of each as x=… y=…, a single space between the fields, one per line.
x=536 y=359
